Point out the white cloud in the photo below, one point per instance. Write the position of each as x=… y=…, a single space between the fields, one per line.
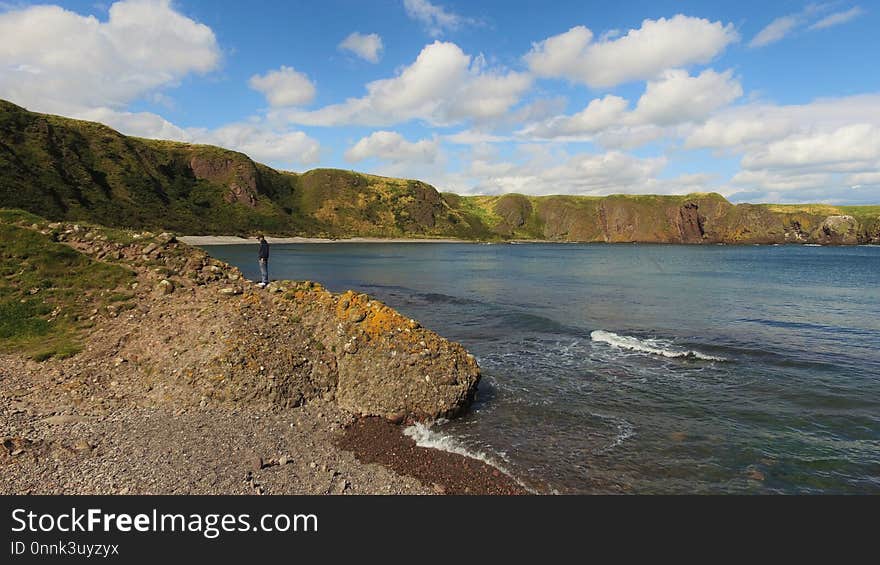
x=784 y=26
x=854 y=148
x=257 y=140
x=436 y=19
x=55 y=60
x=864 y=179
x=675 y=98
x=678 y=97
x=473 y=137
x=739 y=128
x=795 y=152
x=541 y=172
x=367 y=47
x=442 y=86
x=600 y=114
x=774 y=182
x=265 y=145
x=391 y=146
x=640 y=54
x=284 y=87
x=838 y=18
x=630 y=137
x=776 y=30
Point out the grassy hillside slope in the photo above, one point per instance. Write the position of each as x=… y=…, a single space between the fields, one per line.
x=65 y=169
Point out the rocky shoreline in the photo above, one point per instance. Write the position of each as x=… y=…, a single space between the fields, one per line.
x=204 y=383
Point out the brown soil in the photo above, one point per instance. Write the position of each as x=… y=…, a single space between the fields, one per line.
x=375 y=440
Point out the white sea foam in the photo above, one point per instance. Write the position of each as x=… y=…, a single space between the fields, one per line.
x=424 y=436
x=651 y=346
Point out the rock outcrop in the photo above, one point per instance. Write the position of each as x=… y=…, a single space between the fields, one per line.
x=838 y=230
x=196 y=332
x=240 y=177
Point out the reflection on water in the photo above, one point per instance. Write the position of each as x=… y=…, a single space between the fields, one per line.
x=794 y=406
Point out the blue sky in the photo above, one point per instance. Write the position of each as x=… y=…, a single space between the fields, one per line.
x=761 y=101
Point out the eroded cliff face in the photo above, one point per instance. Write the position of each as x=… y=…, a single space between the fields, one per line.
x=239 y=177
x=691 y=219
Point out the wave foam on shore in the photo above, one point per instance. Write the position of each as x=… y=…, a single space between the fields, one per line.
x=424 y=436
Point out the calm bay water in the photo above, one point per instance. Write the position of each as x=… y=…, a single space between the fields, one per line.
x=643 y=368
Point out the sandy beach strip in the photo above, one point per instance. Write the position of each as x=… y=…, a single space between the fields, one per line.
x=204 y=240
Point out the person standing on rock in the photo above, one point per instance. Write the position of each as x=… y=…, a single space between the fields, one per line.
x=264 y=261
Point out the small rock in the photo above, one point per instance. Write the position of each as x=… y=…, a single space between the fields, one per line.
x=82 y=445
x=165 y=286
x=230 y=291
x=439 y=489
x=396 y=418
x=283 y=460
x=256 y=463
x=357 y=317
x=150 y=248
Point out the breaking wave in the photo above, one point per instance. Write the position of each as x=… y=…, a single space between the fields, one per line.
x=424 y=436
x=651 y=346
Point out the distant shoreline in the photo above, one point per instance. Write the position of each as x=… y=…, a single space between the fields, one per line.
x=208 y=240
x=200 y=240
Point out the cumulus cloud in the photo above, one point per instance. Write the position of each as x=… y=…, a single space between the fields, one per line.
x=393 y=147
x=678 y=97
x=639 y=55
x=367 y=47
x=284 y=87
x=737 y=129
x=443 y=86
x=674 y=98
x=600 y=114
x=800 y=152
x=435 y=18
x=56 y=60
x=852 y=148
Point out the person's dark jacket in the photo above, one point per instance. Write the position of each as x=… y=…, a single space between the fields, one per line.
x=264 y=250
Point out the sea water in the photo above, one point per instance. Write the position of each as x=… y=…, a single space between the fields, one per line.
x=642 y=368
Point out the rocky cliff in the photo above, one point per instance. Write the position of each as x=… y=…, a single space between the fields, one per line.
x=71 y=170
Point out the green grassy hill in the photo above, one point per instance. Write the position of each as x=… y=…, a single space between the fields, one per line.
x=48 y=290
x=65 y=169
